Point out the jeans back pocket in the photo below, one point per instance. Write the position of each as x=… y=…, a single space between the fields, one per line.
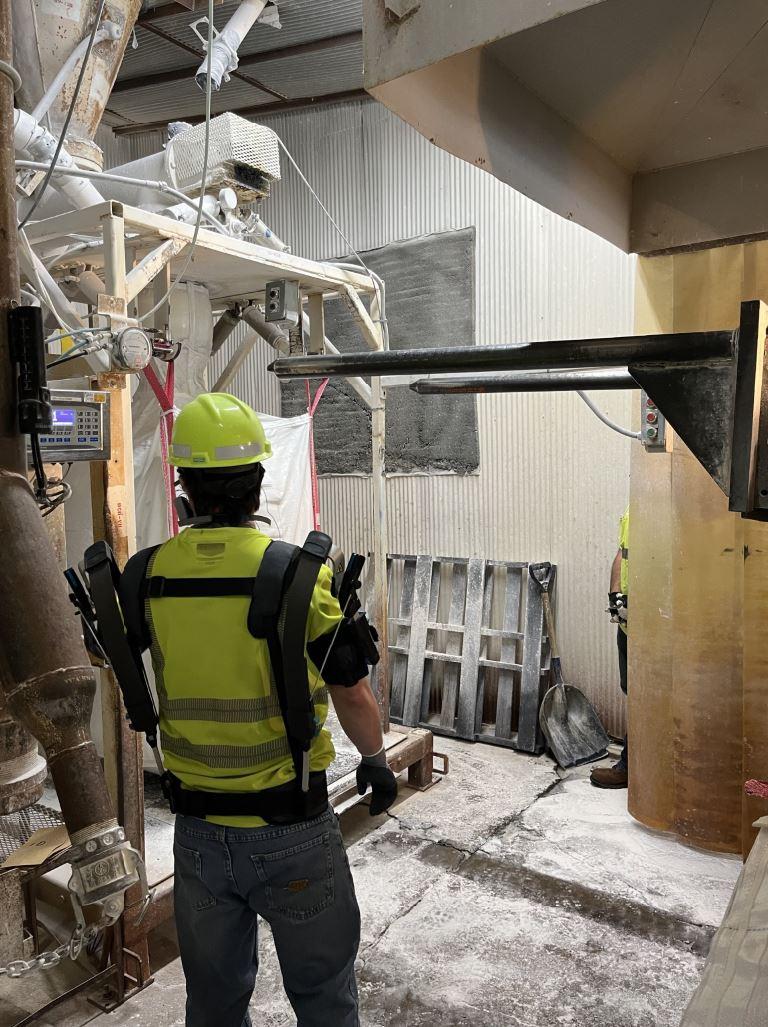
x=298 y=881
x=188 y=878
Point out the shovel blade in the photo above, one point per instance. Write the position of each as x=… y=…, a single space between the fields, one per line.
x=571 y=726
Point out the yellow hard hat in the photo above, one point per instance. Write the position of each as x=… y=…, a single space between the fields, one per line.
x=218 y=430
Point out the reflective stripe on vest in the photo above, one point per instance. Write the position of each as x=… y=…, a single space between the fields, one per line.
x=226 y=757
x=230 y=711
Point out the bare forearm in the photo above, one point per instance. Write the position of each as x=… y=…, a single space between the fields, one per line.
x=616 y=573
x=358 y=715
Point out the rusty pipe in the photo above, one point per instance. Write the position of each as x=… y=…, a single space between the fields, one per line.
x=51 y=684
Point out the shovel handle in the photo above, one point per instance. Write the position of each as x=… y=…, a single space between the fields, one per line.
x=541 y=573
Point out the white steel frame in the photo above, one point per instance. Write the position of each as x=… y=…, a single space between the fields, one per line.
x=133 y=251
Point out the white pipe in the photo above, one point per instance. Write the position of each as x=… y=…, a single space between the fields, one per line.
x=223 y=53
x=109 y=30
x=264 y=236
x=30 y=136
x=606 y=420
x=48 y=288
x=187 y=212
x=106 y=176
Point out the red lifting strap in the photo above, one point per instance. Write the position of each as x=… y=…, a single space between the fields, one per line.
x=164 y=395
x=312 y=405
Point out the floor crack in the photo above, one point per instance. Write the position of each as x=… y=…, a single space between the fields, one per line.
x=403 y=913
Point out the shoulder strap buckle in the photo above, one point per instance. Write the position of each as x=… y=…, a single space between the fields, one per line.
x=155 y=587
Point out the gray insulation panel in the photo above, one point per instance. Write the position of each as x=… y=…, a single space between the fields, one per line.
x=430 y=285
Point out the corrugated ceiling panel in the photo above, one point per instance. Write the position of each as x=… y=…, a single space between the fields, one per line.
x=326 y=71
x=302 y=21
x=176 y=100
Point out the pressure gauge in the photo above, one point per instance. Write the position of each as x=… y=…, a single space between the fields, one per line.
x=131 y=349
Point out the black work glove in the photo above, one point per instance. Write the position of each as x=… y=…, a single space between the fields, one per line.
x=617 y=606
x=373 y=771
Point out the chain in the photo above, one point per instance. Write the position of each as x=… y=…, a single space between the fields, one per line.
x=45 y=960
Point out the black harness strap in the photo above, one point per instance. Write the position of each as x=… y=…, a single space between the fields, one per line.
x=275 y=573
x=281 y=805
x=158 y=587
x=291 y=634
x=103 y=577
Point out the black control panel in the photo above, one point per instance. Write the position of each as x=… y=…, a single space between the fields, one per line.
x=80 y=429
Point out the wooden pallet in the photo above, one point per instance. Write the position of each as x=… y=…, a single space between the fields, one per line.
x=468 y=653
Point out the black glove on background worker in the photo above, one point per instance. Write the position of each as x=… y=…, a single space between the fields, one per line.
x=617 y=606
x=373 y=771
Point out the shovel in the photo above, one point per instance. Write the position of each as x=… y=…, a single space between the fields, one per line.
x=570 y=724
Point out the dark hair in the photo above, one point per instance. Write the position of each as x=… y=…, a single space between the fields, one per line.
x=230 y=495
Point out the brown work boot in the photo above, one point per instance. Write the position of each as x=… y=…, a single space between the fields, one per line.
x=609 y=777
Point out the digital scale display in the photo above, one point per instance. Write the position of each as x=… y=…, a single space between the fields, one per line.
x=80 y=427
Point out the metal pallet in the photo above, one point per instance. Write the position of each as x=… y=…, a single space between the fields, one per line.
x=469 y=657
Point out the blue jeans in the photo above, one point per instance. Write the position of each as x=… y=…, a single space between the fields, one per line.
x=297 y=878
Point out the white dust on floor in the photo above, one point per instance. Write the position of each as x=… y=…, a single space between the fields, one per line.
x=582 y=834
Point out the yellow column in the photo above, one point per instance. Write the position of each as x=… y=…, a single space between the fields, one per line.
x=698 y=674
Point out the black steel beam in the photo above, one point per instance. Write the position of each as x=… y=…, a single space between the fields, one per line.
x=686 y=347
x=260 y=110
x=529 y=381
x=125 y=85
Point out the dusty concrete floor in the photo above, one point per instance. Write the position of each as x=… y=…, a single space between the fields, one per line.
x=505 y=896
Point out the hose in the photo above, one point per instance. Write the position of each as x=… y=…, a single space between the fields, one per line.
x=606 y=420
x=106 y=176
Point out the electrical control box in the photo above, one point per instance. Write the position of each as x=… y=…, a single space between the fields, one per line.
x=283 y=303
x=80 y=429
x=653 y=427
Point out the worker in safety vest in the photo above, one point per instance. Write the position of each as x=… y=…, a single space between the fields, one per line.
x=223 y=734
x=617 y=775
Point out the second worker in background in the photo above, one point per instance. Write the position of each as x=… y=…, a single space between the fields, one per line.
x=617 y=776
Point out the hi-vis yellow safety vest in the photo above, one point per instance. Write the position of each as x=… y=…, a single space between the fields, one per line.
x=220 y=723
x=624 y=547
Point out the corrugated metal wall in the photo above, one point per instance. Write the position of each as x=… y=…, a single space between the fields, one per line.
x=553 y=481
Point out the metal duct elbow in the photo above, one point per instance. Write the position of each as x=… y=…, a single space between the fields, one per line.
x=37 y=141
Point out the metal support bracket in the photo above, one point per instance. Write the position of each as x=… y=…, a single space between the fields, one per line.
x=709 y=386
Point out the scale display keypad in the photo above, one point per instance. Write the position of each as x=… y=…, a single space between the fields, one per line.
x=80 y=429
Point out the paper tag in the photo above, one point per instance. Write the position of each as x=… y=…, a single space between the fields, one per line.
x=39 y=847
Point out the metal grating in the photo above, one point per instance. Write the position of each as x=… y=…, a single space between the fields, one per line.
x=469 y=657
x=17 y=828
x=233 y=141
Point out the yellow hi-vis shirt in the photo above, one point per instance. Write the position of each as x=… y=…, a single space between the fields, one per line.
x=220 y=723
x=624 y=547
